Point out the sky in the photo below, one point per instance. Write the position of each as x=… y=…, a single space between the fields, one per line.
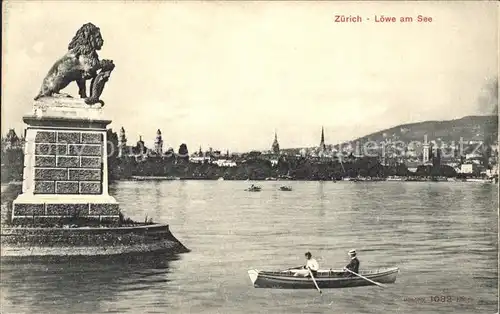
x=228 y=74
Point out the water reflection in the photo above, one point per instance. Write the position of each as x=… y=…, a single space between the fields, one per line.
x=182 y=198
x=323 y=201
x=82 y=284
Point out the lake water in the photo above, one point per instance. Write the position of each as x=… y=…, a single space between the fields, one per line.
x=443 y=236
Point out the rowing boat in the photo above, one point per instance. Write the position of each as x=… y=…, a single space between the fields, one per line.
x=254 y=189
x=325 y=279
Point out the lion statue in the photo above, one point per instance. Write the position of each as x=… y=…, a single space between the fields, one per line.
x=79 y=64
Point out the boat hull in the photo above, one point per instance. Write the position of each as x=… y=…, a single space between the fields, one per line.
x=326 y=280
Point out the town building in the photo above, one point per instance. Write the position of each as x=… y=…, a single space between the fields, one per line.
x=139 y=151
x=224 y=163
x=412 y=166
x=425 y=151
x=471 y=168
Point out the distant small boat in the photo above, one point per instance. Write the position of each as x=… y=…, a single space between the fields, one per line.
x=285 y=188
x=324 y=278
x=254 y=188
x=221 y=179
x=350 y=179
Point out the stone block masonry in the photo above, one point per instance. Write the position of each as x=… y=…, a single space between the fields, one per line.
x=67 y=210
x=65 y=165
x=90 y=188
x=30 y=209
x=69 y=187
x=104 y=209
x=45 y=187
x=68 y=162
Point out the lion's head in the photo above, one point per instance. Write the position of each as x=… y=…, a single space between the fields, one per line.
x=87 y=40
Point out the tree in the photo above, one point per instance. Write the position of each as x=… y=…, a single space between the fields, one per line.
x=112 y=149
x=183 y=150
x=183 y=153
x=12 y=165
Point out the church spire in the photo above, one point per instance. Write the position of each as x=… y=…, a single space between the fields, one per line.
x=275 y=148
x=322 y=145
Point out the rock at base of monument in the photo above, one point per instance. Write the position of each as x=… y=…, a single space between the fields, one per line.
x=139 y=238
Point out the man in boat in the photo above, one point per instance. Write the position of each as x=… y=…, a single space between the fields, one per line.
x=353 y=264
x=311 y=264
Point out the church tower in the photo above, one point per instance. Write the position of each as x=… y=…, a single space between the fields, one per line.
x=158 y=143
x=122 y=143
x=141 y=148
x=275 y=148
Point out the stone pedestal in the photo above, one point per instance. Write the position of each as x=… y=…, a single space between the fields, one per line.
x=65 y=163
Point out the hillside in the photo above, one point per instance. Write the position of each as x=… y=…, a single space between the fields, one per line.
x=470 y=128
x=476 y=128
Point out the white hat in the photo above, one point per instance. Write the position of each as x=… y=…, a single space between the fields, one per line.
x=353 y=251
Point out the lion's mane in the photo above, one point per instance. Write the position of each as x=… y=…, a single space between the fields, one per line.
x=84 y=41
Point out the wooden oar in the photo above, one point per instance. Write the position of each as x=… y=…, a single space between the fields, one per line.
x=298 y=267
x=314 y=280
x=373 y=282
